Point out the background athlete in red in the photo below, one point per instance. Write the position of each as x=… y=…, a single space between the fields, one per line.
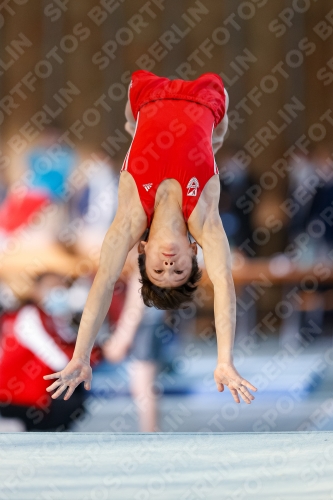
x=169 y=184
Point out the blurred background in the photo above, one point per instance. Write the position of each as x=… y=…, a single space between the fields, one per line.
x=65 y=67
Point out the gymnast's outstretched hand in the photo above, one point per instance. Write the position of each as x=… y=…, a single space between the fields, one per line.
x=226 y=374
x=76 y=371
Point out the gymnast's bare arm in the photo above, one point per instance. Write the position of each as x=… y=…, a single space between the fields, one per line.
x=117 y=346
x=124 y=232
x=210 y=235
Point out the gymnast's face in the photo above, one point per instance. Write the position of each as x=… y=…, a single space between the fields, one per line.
x=168 y=261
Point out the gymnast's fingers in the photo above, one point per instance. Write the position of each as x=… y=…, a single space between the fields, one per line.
x=248 y=384
x=54 y=385
x=244 y=396
x=69 y=392
x=52 y=375
x=59 y=391
x=246 y=392
x=235 y=395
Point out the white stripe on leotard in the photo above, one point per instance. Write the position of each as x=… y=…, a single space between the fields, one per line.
x=216 y=171
x=125 y=164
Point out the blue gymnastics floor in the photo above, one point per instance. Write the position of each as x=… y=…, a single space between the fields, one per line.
x=166 y=466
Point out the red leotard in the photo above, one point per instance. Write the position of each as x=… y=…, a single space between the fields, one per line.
x=173 y=135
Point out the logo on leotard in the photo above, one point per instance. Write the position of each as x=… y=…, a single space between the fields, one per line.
x=192 y=187
x=147 y=186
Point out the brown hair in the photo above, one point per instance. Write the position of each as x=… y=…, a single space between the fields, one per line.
x=163 y=297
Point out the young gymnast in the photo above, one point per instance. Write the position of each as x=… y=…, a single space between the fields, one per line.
x=169 y=184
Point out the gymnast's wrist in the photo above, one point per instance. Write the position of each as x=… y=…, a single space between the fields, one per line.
x=85 y=357
x=225 y=357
